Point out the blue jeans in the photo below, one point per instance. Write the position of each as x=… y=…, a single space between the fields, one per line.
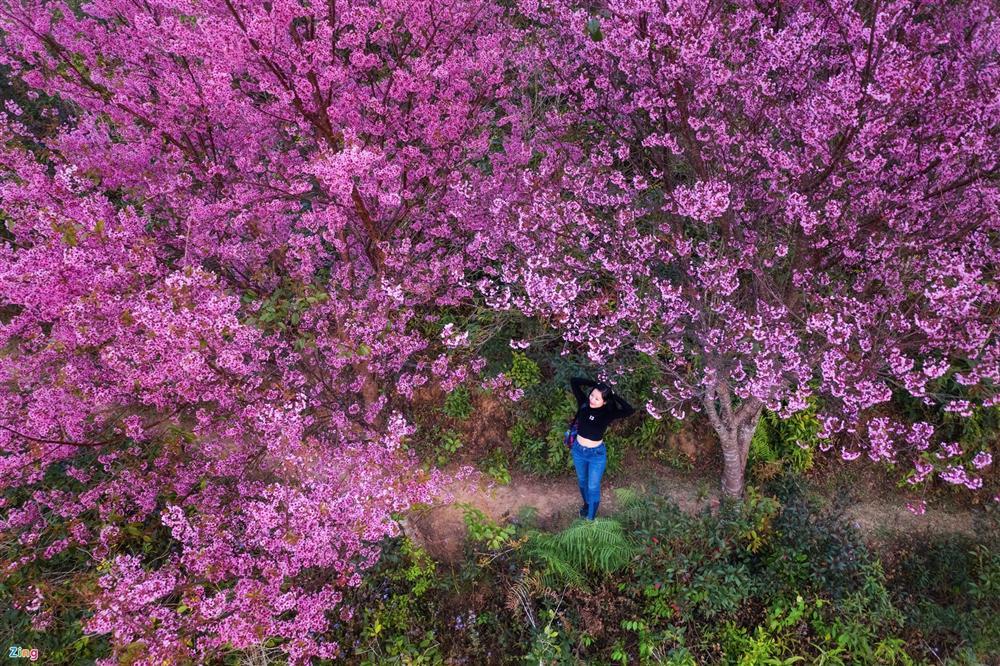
x=590 y=464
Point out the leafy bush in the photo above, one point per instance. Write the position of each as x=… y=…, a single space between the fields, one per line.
x=284 y=308
x=484 y=530
x=693 y=568
x=495 y=466
x=538 y=432
x=650 y=439
x=447 y=445
x=524 y=372
x=651 y=434
x=949 y=590
x=815 y=545
x=751 y=582
x=643 y=373
x=763 y=582
x=780 y=445
x=549 y=645
x=977 y=432
x=394 y=599
x=458 y=404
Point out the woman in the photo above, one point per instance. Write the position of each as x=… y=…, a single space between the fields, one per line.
x=594 y=412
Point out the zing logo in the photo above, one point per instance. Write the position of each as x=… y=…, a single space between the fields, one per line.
x=18 y=652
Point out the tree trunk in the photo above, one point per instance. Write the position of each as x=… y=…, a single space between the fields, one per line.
x=735 y=428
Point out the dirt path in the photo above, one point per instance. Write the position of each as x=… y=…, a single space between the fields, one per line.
x=442 y=531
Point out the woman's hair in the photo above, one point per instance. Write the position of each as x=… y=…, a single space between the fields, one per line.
x=605 y=391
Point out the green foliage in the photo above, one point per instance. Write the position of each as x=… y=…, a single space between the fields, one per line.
x=446 y=446
x=862 y=617
x=651 y=438
x=643 y=372
x=650 y=434
x=61 y=643
x=724 y=586
x=495 y=466
x=594 y=29
x=823 y=598
x=401 y=649
x=698 y=564
x=949 y=590
x=498 y=328
x=674 y=458
x=679 y=656
x=598 y=547
x=484 y=530
x=283 y=309
x=537 y=435
x=549 y=645
x=770 y=642
x=524 y=372
x=978 y=432
x=458 y=404
x=392 y=601
x=68 y=580
x=419 y=570
x=816 y=545
x=784 y=444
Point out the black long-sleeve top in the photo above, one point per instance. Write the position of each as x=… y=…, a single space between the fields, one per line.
x=591 y=423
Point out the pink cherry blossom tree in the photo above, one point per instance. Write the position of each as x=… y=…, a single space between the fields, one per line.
x=214 y=285
x=774 y=200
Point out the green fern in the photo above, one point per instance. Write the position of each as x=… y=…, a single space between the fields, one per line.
x=776 y=442
x=556 y=569
x=599 y=547
x=627 y=498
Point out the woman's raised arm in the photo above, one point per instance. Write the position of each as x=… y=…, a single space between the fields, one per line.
x=622 y=408
x=577 y=383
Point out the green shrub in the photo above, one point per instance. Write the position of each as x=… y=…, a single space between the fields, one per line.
x=524 y=372
x=649 y=438
x=284 y=308
x=458 y=404
x=537 y=436
x=724 y=586
x=447 y=446
x=816 y=547
x=495 y=466
x=798 y=565
x=949 y=590
x=393 y=601
x=643 y=372
x=689 y=569
x=780 y=445
x=484 y=530
x=549 y=645
x=979 y=431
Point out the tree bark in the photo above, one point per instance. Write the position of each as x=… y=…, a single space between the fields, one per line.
x=735 y=428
